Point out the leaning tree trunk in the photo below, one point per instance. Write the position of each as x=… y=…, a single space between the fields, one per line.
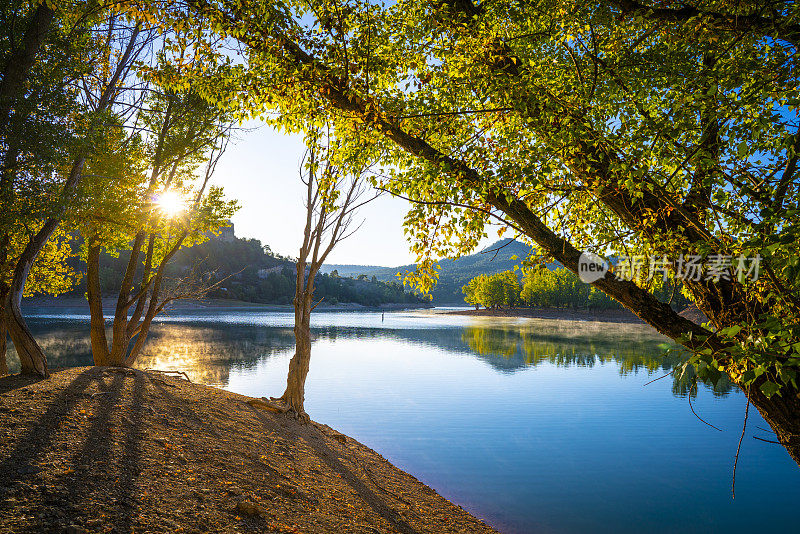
x=31 y=357
x=781 y=413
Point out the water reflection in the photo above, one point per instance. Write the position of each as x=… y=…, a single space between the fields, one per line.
x=66 y=343
x=512 y=348
x=208 y=351
x=208 y=354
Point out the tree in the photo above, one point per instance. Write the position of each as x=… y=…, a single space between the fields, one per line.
x=510 y=288
x=558 y=288
x=153 y=216
x=50 y=275
x=606 y=126
x=491 y=291
x=54 y=100
x=22 y=89
x=334 y=191
x=472 y=290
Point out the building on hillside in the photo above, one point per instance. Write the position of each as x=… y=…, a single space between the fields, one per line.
x=264 y=273
x=226 y=233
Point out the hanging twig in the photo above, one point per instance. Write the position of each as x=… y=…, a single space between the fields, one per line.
x=738 y=448
x=659 y=378
x=689 y=396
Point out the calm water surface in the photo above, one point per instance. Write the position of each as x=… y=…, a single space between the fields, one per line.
x=532 y=425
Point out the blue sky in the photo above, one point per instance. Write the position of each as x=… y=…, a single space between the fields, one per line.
x=260 y=169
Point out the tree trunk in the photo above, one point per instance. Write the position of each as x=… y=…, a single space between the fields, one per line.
x=31 y=358
x=21 y=60
x=154 y=302
x=782 y=414
x=295 y=393
x=3 y=335
x=120 y=337
x=97 y=326
x=294 y=396
x=152 y=309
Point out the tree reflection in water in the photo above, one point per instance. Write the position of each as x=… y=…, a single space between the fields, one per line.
x=510 y=348
x=208 y=351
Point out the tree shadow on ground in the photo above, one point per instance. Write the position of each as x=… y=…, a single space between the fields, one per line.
x=12 y=382
x=316 y=442
x=100 y=463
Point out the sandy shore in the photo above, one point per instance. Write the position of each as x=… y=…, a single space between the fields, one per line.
x=602 y=316
x=120 y=450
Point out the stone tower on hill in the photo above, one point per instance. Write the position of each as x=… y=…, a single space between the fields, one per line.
x=226 y=232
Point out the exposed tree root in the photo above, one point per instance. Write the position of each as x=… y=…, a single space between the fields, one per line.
x=127 y=371
x=268 y=405
x=178 y=373
x=278 y=405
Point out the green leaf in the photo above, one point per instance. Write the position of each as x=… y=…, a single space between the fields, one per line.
x=731 y=330
x=770 y=388
x=748 y=376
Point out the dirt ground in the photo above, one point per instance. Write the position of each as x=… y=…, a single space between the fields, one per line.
x=120 y=450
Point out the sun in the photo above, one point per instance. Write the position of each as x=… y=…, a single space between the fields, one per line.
x=171 y=203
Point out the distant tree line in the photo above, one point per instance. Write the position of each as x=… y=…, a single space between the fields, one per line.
x=553 y=288
x=493 y=290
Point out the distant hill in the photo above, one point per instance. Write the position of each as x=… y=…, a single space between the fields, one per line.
x=249 y=271
x=500 y=256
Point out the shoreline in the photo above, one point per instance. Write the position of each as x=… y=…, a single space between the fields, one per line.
x=94 y=449
x=215 y=304
x=563 y=314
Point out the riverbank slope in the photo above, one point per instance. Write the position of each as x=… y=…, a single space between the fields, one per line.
x=101 y=449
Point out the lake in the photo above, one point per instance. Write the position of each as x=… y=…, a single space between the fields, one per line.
x=532 y=425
